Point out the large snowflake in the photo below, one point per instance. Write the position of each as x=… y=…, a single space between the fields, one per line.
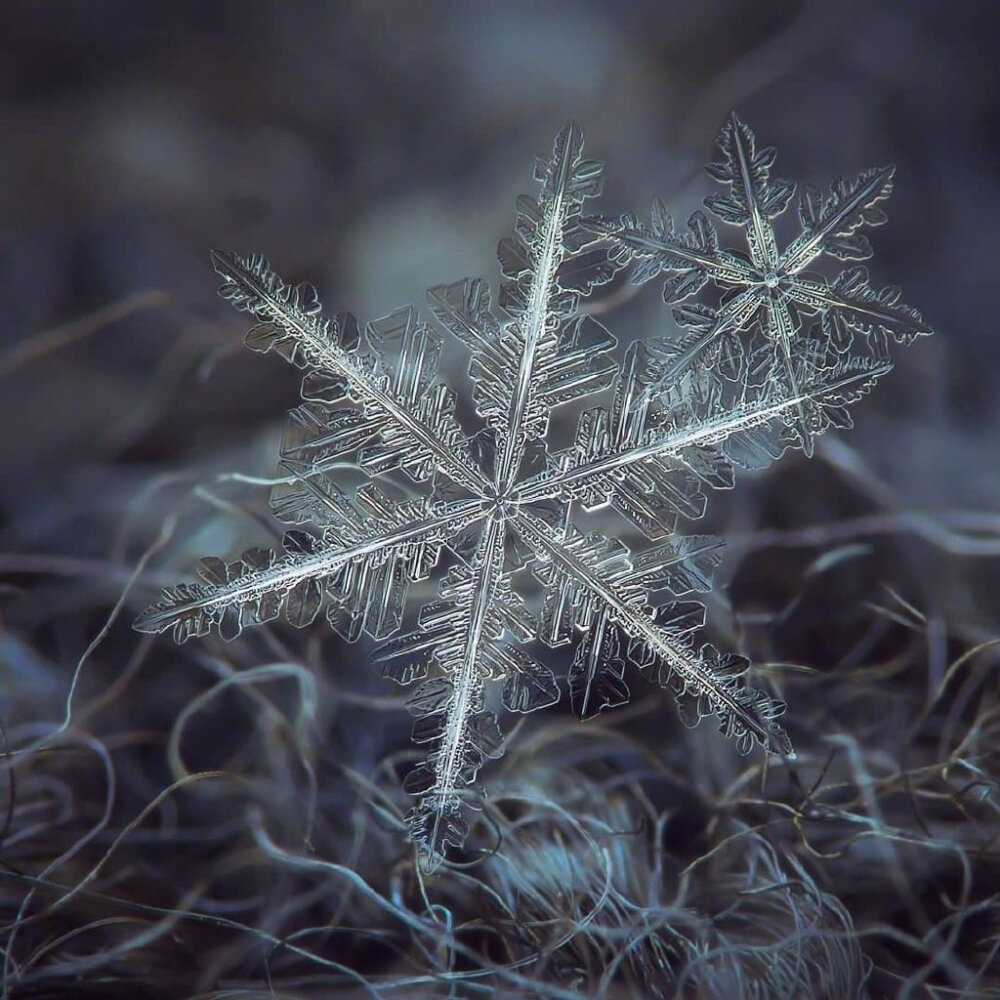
x=501 y=518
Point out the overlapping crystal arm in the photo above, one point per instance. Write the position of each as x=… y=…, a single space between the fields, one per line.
x=651 y=461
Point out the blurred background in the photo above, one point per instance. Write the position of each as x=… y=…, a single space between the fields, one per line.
x=376 y=149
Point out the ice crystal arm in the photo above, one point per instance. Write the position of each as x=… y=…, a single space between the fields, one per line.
x=694 y=434
x=596 y=676
x=462 y=635
x=545 y=353
x=690 y=259
x=849 y=304
x=578 y=365
x=651 y=493
x=406 y=415
x=830 y=224
x=360 y=568
x=601 y=596
x=754 y=198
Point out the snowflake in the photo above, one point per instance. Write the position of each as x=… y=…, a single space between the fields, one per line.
x=766 y=291
x=497 y=514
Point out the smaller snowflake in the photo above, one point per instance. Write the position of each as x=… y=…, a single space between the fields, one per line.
x=766 y=292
